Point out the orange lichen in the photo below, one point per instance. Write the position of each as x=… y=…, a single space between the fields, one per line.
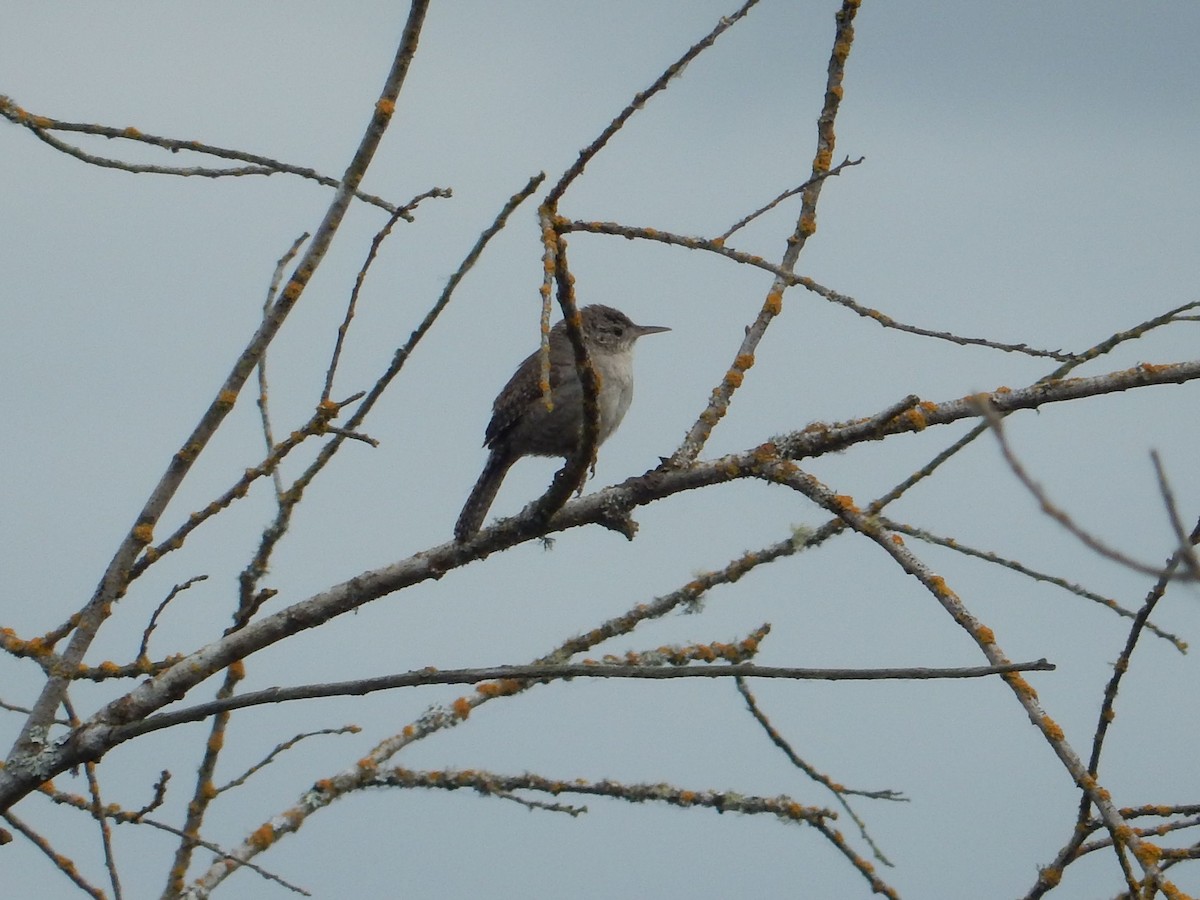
x=263 y=837
x=774 y=303
x=985 y=635
x=734 y=378
x=385 y=107
x=131 y=132
x=292 y=290
x=1051 y=876
x=143 y=533
x=1052 y=729
x=1147 y=853
x=845 y=503
x=765 y=453
x=1020 y=685
x=462 y=707
x=743 y=361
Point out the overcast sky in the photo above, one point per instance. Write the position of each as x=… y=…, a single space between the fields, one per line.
x=1029 y=176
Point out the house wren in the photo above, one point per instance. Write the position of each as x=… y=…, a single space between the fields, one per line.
x=521 y=423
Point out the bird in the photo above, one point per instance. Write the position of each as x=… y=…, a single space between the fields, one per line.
x=523 y=425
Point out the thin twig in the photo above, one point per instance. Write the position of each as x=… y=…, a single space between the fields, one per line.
x=97 y=809
x=360 y=279
x=257 y=165
x=639 y=101
x=839 y=791
x=716 y=245
x=959 y=547
x=1185 y=553
x=263 y=406
x=64 y=864
x=792 y=192
x=317 y=425
x=506 y=674
x=282 y=748
x=1049 y=508
x=572 y=811
x=144 y=647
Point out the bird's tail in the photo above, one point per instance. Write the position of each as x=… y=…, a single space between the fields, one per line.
x=482 y=495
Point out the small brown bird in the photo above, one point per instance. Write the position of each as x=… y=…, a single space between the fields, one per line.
x=521 y=423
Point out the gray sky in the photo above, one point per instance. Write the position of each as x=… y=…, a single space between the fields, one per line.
x=1029 y=176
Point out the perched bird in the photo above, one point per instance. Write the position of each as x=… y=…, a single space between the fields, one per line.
x=522 y=425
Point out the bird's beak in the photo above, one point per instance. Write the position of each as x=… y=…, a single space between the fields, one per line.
x=650 y=329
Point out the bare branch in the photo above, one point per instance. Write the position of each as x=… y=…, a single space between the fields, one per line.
x=959 y=547
x=510 y=677
x=63 y=863
x=792 y=192
x=838 y=790
x=806 y=225
x=280 y=749
x=1049 y=876
x=144 y=647
x=1056 y=513
x=41 y=126
x=263 y=405
x=842 y=506
x=717 y=245
x=639 y=101
x=1186 y=554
